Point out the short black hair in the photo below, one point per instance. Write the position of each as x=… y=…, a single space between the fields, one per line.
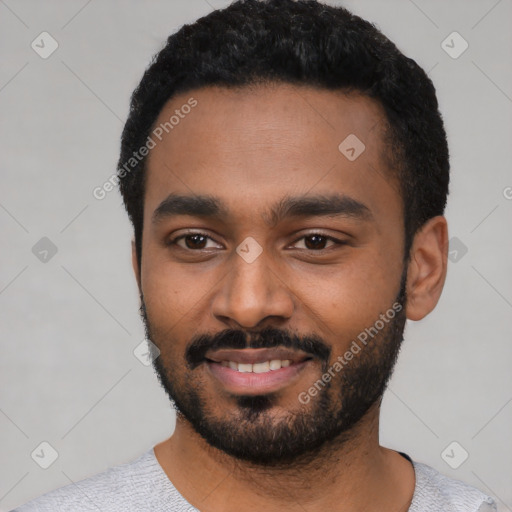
x=302 y=42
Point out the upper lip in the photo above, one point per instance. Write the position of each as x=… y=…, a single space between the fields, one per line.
x=256 y=355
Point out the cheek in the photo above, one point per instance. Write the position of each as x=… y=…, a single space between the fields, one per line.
x=345 y=300
x=168 y=293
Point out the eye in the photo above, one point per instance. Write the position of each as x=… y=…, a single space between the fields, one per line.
x=317 y=241
x=192 y=241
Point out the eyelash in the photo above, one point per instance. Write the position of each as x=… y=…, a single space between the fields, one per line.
x=329 y=238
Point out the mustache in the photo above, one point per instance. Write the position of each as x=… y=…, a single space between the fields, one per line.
x=313 y=345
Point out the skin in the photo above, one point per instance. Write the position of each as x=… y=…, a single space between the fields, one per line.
x=250 y=148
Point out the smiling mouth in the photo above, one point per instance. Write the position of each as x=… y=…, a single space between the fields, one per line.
x=256 y=371
x=261 y=367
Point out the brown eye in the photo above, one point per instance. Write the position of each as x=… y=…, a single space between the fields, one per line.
x=317 y=242
x=193 y=241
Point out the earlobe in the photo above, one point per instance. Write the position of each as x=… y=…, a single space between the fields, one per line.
x=427 y=268
x=135 y=265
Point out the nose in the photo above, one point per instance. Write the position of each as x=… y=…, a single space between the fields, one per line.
x=251 y=293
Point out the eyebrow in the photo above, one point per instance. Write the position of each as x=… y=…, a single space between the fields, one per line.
x=206 y=206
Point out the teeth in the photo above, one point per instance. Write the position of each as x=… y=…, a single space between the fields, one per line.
x=264 y=367
x=275 y=364
x=261 y=367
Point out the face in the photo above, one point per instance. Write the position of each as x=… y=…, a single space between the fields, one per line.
x=272 y=276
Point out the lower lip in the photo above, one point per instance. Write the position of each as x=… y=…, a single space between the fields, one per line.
x=251 y=383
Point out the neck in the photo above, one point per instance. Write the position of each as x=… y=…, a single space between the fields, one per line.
x=351 y=474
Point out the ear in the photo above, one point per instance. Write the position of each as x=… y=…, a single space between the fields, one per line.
x=135 y=265
x=426 y=272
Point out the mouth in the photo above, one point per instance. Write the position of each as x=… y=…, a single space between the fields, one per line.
x=256 y=371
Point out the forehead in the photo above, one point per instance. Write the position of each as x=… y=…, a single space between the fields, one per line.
x=252 y=146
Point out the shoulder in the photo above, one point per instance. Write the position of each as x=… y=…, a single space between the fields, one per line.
x=435 y=491
x=137 y=485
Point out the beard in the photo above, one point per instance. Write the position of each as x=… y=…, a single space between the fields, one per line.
x=260 y=431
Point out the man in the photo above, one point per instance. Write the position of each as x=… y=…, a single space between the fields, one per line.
x=285 y=169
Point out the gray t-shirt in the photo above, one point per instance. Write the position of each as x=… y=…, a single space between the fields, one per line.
x=142 y=485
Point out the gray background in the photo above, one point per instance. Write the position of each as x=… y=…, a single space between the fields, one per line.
x=69 y=324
